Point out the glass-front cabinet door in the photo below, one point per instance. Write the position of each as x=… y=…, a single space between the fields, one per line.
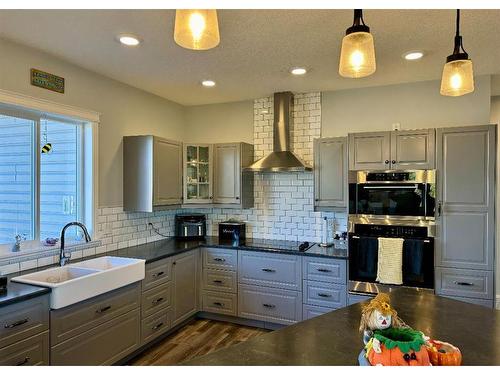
x=198 y=172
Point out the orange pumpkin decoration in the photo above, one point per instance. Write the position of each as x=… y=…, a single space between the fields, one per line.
x=444 y=354
x=398 y=347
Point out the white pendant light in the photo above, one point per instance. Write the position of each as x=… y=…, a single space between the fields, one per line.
x=458 y=75
x=357 y=56
x=196 y=29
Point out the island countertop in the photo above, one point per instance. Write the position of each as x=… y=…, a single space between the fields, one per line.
x=334 y=339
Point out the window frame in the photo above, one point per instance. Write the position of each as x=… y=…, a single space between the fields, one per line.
x=33 y=109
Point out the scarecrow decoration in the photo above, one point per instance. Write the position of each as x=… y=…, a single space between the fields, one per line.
x=389 y=341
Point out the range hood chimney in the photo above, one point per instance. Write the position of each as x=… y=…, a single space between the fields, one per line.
x=281 y=159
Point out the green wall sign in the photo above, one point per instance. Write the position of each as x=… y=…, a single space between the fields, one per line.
x=47 y=81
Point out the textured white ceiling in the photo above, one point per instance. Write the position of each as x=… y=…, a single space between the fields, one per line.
x=257 y=48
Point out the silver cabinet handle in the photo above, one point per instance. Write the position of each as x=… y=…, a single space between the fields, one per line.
x=199 y=231
x=268 y=270
x=23 y=362
x=323 y=270
x=157 y=301
x=157 y=326
x=439 y=208
x=219 y=259
x=324 y=295
x=103 y=309
x=463 y=283
x=219 y=304
x=268 y=305
x=158 y=274
x=218 y=281
x=17 y=324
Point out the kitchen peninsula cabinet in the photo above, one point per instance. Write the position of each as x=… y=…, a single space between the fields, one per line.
x=152 y=173
x=400 y=149
x=330 y=174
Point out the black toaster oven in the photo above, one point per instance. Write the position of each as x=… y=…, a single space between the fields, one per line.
x=190 y=226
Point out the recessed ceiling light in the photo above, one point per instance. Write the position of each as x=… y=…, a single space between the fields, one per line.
x=208 y=83
x=129 y=40
x=413 y=55
x=298 y=71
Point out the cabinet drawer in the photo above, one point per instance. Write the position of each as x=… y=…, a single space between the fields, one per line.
x=326 y=270
x=156 y=299
x=222 y=259
x=273 y=270
x=79 y=318
x=157 y=273
x=464 y=283
x=219 y=281
x=325 y=294
x=216 y=302
x=24 y=319
x=269 y=304
x=101 y=345
x=309 y=311
x=32 y=351
x=156 y=325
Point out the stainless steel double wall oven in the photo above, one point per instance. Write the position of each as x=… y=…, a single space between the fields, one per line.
x=399 y=204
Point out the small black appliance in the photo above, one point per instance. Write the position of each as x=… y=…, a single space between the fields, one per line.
x=190 y=226
x=232 y=230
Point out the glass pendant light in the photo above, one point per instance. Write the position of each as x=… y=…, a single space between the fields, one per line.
x=196 y=29
x=357 y=56
x=458 y=77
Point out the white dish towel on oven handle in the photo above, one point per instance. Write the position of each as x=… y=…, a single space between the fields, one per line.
x=390 y=261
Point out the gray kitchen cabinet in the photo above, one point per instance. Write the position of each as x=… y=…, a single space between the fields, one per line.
x=219 y=302
x=272 y=270
x=465 y=224
x=232 y=185
x=369 y=151
x=269 y=304
x=102 y=345
x=399 y=149
x=23 y=320
x=466 y=197
x=33 y=351
x=330 y=174
x=325 y=270
x=221 y=259
x=413 y=149
x=152 y=173
x=322 y=294
x=198 y=173
x=24 y=335
x=310 y=311
x=185 y=282
x=353 y=298
x=98 y=331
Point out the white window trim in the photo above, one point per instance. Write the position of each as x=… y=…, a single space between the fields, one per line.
x=63 y=110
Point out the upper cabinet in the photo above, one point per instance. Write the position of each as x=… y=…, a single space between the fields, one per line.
x=152 y=173
x=198 y=167
x=214 y=174
x=330 y=173
x=402 y=149
x=231 y=184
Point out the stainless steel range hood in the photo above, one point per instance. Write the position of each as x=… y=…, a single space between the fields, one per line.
x=281 y=159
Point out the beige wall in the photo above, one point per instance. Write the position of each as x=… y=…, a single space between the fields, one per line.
x=124 y=109
x=414 y=105
x=227 y=122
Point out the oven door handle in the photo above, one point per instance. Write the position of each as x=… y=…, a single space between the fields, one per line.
x=392 y=187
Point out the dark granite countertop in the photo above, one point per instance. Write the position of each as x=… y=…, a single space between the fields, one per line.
x=334 y=339
x=154 y=251
x=157 y=250
x=17 y=292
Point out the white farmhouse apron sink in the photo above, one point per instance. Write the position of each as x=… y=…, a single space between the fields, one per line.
x=83 y=280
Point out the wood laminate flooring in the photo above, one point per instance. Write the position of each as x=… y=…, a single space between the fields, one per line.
x=197 y=338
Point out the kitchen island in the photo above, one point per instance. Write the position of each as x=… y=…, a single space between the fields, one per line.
x=334 y=339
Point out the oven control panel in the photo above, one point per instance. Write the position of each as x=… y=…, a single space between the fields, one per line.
x=390 y=231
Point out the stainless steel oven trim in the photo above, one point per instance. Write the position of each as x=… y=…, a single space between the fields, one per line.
x=424 y=176
x=411 y=221
x=366 y=288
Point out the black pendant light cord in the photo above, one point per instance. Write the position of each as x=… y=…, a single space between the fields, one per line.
x=459 y=52
x=458 y=23
x=358 y=24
